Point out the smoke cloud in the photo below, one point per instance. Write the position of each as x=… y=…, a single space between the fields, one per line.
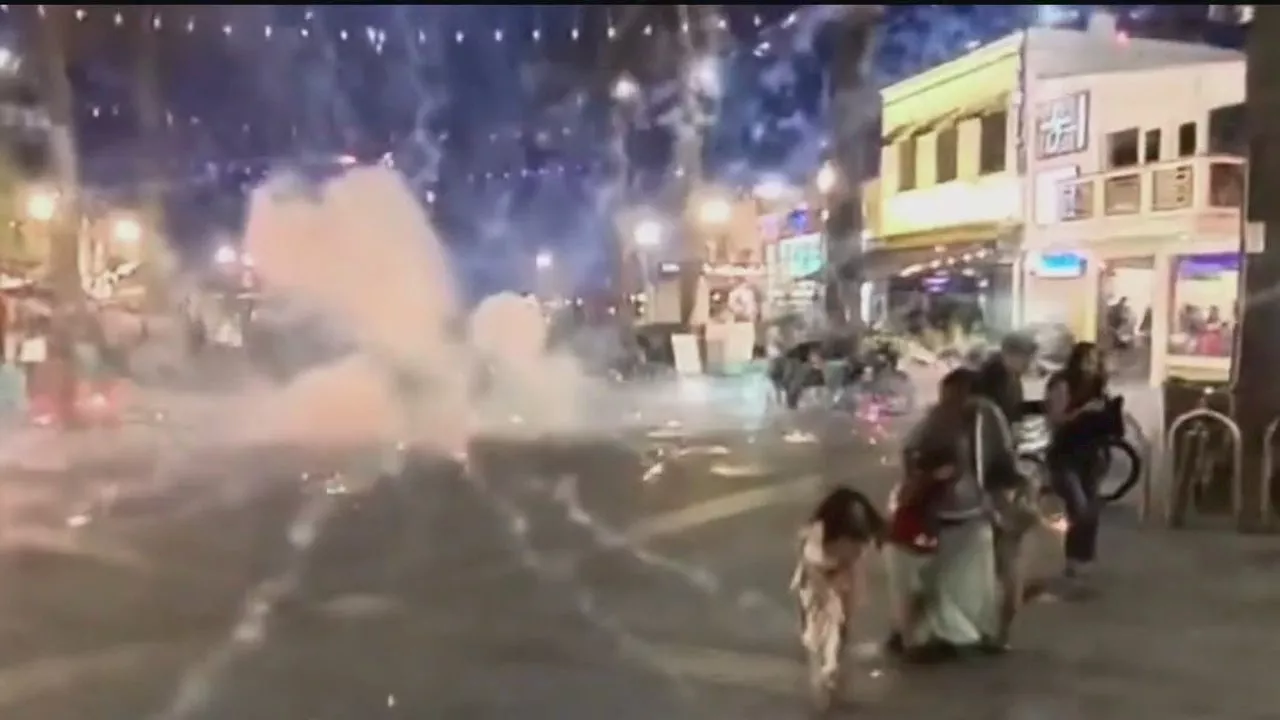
x=362 y=254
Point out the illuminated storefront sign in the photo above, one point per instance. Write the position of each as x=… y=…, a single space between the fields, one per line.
x=1062 y=126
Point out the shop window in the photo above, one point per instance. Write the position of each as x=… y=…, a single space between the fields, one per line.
x=1227 y=131
x=1226 y=185
x=1187 y=139
x=1151 y=146
x=1122 y=148
x=946 y=155
x=1122 y=195
x=907 y=164
x=1075 y=200
x=993 y=141
x=1203 y=312
x=1172 y=188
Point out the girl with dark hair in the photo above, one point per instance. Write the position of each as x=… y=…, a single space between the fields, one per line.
x=1075 y=398
x=827 y=579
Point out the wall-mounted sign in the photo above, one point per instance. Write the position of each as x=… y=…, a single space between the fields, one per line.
x=1057 y=265
x=1062 y=126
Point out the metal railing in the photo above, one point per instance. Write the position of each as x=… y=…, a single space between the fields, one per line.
x=1178 y=464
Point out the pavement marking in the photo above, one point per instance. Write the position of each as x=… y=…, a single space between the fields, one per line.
x=37 y=678
x=774 y=674
x=721 y=508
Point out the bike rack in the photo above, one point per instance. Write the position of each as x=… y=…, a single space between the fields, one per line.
x=1268 y=470
x=1171 y=461
x=1147 y=453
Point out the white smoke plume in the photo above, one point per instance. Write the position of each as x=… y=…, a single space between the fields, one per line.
x=362 y=254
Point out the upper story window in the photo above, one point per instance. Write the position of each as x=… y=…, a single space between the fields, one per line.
x=1151 y=146
x=1227 y=132
x=1187 y=144
x=947 y=155
x=1122 y=148
x=992 y=143
x=907 y=164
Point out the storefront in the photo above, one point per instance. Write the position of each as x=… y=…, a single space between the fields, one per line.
x=794 y=256
x=1157 y=312
x=966 y=288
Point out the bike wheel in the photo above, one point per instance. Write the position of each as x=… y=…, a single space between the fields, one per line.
x=1121 y=470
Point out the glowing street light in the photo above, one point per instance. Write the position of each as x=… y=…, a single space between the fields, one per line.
x=771 y=189
x=715 y=211
x=544 y=260
x=647 y=234
x=826 y=180
x=226 y=255
x=625 y=89
x=126 y=230
x=41 y=205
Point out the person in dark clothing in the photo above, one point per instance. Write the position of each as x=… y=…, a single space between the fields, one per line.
x=999 y=379
x=1075 y=397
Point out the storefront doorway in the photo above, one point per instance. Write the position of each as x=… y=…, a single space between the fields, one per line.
x=1126 y=289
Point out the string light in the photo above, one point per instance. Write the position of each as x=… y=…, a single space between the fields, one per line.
x=753 y=25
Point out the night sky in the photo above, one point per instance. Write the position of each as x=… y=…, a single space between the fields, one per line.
x=500 y=117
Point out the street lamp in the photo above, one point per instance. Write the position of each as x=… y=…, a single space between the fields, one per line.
x=625 y=89
x=226 y=255
x=41 y=205
x=544 y=260
x=126 y=230
x=647 y=234
x=826 y=180
x=771 y=190
x=715 y=211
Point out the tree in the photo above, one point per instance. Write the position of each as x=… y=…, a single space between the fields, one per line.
x=45 y=24
x=853 y=102
x=146 y=86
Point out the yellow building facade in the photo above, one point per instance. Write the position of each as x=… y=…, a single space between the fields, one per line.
x=948 y=214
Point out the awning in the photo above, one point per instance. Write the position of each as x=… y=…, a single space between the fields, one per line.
x=882 y=263
x=947 y=118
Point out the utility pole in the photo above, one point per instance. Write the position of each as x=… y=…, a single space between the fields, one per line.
x=1257 y=353
x=854 y=106
x=47 y=24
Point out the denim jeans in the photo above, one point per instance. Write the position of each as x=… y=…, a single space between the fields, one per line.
x=1075 y=480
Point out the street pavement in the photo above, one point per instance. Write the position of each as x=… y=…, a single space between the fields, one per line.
x=637 y=575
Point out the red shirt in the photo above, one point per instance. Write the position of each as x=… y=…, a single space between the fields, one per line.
x=911 y=526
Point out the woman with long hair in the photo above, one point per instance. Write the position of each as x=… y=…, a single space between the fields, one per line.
x=940 y=553
x=1074 y=398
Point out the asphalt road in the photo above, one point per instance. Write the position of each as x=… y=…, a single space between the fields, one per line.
x=566 y=580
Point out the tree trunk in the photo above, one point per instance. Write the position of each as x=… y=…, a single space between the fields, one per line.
x=151 y=121
x=854 y=105
x=48 y=23
x=689 y=160
x=1257 y=395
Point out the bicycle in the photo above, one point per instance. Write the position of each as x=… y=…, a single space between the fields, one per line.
x=1033 y=443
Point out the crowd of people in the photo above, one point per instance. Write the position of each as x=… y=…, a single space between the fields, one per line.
x=953 y=534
